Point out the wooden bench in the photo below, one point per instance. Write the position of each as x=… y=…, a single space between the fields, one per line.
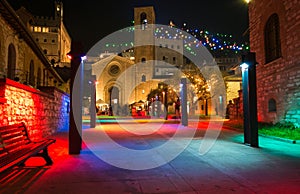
x=16 y=147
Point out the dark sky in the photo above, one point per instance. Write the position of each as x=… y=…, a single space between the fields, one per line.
x=89 y=21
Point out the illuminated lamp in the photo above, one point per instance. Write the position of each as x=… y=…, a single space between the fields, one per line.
x=244 y=66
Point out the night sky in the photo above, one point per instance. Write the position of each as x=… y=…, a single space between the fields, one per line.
x=88 y=21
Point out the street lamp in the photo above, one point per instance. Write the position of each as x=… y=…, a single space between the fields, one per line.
x=75 y=128
x=183 y=95
x=249 y=99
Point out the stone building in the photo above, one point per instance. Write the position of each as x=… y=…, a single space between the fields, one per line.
x=22 y=59
x=275 y=37
x=50 y=33
x=31 y=91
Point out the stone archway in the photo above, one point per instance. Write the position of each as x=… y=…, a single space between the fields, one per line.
x=114 y=95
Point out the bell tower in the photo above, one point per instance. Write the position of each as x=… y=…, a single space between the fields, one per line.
x=144 y=21
x=58 y=10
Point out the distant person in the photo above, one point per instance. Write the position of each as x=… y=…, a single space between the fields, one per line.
x=177 y=108
x=229 y=110
x=110 y=111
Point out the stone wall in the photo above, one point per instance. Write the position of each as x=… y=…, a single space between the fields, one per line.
x=278 y=80
x=44 y=111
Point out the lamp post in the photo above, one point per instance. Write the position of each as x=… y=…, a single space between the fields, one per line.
x=93 y=113
x=75 y=128
x=183 y=95
x=249 y=99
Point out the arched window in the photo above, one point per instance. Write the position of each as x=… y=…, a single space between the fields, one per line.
x=272 y=39
x=45 y=51
x=143 y=78
x=144 y=21
x=52 y=61
x=143 y=60
x=165 y=59
x=11 y=65
x=31 y=74
x=272 y=105
x=39 y=76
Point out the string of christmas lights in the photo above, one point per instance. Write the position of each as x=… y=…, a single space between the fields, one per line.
x=217 y=43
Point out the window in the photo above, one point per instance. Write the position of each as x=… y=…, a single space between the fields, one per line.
x=174 y=60
x=52 y=61
x=31 y=74
x=39 y=76
x=45 y=51
x=114 y=70
x=144 y=21
x=272 y=105
x=272 y=39
x=11 y=62
x=45 y=29
x=143 y=60
x=143 y=78
x=165 y=58
x=37 y=29
x=45 y=40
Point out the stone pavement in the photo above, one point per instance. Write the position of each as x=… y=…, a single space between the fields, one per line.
x=229 y=166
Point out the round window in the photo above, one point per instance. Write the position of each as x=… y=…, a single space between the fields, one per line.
x=114 y=69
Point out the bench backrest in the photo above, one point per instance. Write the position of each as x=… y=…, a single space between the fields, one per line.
x=12 y=138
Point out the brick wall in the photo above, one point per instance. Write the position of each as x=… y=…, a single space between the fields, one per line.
x=44 y=113
x=279 y=79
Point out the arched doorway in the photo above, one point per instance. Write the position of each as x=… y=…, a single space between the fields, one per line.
x=114 y=95
x=11 y=62
x=114 y=99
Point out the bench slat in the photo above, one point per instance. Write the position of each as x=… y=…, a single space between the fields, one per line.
x=11 y=134
x=15 y=139
x=18 y=125
x=14 y=147
x=20 y=128
x=2 y=151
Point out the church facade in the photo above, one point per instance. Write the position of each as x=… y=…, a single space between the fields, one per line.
x=129 y=78
x=159 y=56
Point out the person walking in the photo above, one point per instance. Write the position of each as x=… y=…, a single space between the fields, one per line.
x=177 y=108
